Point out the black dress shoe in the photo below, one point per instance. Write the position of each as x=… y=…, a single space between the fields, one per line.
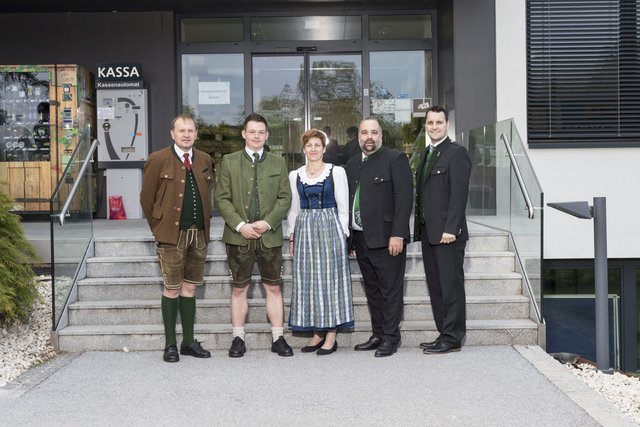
x=323 y=352
x=373 y=343
x=429 y=344
x=281 y=347
x=238 y=349
x=442 y=348
x=194 y=349
x=312 y=348
x=387 y=348
x=171 y=354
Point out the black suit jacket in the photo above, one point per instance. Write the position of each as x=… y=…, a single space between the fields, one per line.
x=386 y=195
x=442 y=195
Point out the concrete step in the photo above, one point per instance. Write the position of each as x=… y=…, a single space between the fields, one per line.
x=216 y=265
x=258 y=337
x=491 y=241
x=216 y=287
x=147 y=312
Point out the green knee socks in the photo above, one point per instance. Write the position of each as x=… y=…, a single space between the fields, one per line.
x=169 y=308
x=188 y=316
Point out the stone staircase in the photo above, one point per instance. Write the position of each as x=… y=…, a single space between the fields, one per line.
x=119 y=301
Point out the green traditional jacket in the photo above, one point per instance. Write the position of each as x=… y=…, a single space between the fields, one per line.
x=233 y=194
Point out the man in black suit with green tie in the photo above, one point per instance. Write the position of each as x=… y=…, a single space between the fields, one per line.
x=442 y=189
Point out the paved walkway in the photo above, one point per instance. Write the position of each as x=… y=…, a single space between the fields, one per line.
x=480 y=386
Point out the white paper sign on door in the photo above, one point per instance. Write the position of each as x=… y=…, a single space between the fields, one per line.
x=211 y=93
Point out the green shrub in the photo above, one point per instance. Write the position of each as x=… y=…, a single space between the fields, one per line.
x=18 y=288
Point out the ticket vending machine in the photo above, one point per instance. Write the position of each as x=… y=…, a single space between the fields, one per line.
x=122 y=128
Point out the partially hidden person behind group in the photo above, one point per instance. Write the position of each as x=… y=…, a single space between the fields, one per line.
x=352 y=147
x=380 y=200
x=442 y=189
x=321 y=300
x=175 y=201
x=253 y=197
x=333 y=151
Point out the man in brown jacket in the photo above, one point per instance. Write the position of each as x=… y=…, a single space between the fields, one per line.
x=175 y=201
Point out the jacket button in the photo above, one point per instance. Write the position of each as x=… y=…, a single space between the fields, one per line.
x=180 y=195
x=176 y=223
x=166 y=176
x=178 y=209
x=182 y=181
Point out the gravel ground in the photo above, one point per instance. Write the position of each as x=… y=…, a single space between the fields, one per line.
x=23 y=346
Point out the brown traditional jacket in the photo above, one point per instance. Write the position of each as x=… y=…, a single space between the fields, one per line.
x=162 y=192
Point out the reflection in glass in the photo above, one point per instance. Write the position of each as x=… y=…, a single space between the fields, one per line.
x=279 y=94
x=201 y=30
x=71 y=241
x=213 y=92
x=326 y=96
x=398 y=77
x=335 y=97
x=398 y=27
x=305 y=28
x=496 y=200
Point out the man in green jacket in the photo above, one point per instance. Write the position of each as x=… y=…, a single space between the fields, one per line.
x=253 y=196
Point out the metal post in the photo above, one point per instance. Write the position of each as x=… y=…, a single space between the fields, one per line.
x=602 y=284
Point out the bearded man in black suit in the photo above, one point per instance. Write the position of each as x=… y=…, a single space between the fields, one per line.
x=381 y=195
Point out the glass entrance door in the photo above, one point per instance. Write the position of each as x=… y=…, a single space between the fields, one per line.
x=300 y=92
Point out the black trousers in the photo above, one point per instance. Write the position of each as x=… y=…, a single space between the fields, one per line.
x=444 y=267
x=383 y=276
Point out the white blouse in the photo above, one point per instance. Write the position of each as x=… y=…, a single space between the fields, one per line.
x=341 y=193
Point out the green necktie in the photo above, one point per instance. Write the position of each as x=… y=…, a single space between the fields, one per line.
x=432 y=150
x=356 y=202
x=254 y=204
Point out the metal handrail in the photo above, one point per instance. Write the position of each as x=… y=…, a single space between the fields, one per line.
x=516 y=170
x=85 y=163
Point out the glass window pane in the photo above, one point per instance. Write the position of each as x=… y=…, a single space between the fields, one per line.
x=305 y=28
x=200 y=30
x=279 y=95
x=335 y=97
x=213 y=92
x=397 y=27
x=398 y=78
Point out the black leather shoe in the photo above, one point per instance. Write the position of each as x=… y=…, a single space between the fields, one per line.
x=323 y=352
x=430 y=344
x=373 y=343
x=387 y=348
x=171 y=354
x=281 y=347
x=442 y=348
x=238 y=349
x=194 y=349
x=312 y=348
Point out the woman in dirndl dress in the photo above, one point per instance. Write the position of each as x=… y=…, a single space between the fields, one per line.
x=321 y=300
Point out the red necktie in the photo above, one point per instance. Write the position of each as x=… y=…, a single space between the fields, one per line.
x=187 y=163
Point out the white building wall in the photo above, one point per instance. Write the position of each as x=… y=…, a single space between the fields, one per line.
x=567 y=174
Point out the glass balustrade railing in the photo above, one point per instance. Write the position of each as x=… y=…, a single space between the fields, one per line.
x=71 y=209
x=504 y=193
